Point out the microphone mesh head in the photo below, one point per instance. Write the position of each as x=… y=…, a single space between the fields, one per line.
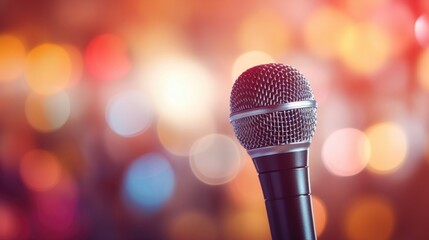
x=266 y=86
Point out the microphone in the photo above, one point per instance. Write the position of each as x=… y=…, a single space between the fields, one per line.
x=273 y=114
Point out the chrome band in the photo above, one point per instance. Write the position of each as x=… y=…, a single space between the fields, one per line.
x=271 y=150
x=270 y=109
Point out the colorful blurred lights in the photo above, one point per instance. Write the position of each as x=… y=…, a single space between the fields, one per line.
x=40 y=170
x=245 y=189
x=178 y=140
x=370 y=218
x=8 y=222
x=346 y=152
x=323 y=30
x=129 y=113
x=422 y=70
x=365 y=48
x=320 y=215
x=49 y=68
x=149 y=182
x=12 y=57
x=57 y=208
x=215 y=159
x=47 y=113
x=181 y=88
x=421 y=29
x=388 y=147
x=106 y=58
x=193 y=225
x=264 y=30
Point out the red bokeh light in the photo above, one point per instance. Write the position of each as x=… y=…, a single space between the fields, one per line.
x=106 y=58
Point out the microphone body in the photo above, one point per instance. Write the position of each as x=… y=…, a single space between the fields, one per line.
x=273 y=114
x=285 y=184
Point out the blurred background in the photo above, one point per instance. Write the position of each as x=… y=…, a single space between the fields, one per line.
x=114 y=116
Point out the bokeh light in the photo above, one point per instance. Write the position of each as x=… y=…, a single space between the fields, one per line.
x=248 y=60
x=57 y=208
x=264 y=30
x=370 y=218
x=12 y=57
x=13 y=222
x=423 y=70
x=9 y=225
x=179 y=140
x=346 y=152
x=106 y=58
x=149 y=183
x=324 y=30
x=114 y=116
x=365 y=48
x=40 y=170
x=397 y=20
x=215 y=159
x=193 y=225
x=254 y=221
x=181 y=88
x=363 y=7
x=76 y=63
x=245 y=189
x=421 y=29
x=388 y=147
x=47 y=113
x=49 y=68
x=129 y=113
x=320 y=215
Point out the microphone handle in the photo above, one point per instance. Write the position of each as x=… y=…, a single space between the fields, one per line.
x=285 y=183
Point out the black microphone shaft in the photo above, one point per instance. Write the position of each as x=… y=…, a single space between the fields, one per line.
x=285 y=183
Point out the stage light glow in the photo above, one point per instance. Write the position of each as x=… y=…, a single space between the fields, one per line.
x=245 y=189
x=12 y=57
x=128 y=113
x=149 y=183
x=370 y=218
x=397 y=20
x=388 y=147
x=76 y=63
x=364 y=7
x=156 y=41
x=253 y=220
x=47 y=113
x=182 y=90
x=364 y=48
x=415 y=130
x=179 y=140
x=264 y=30
x=320 y=215
x=40 y=170
x=248 y=60
x=346 y=152
x=106 y=58
x=215 y=159
x=193 y=225
x=9 y=224
x=56 y=209
x=421 y=29
x=323 y=31
x=422 y=70
x=49 y=68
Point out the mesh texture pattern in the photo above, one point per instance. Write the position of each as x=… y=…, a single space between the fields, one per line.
x=266 y=86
